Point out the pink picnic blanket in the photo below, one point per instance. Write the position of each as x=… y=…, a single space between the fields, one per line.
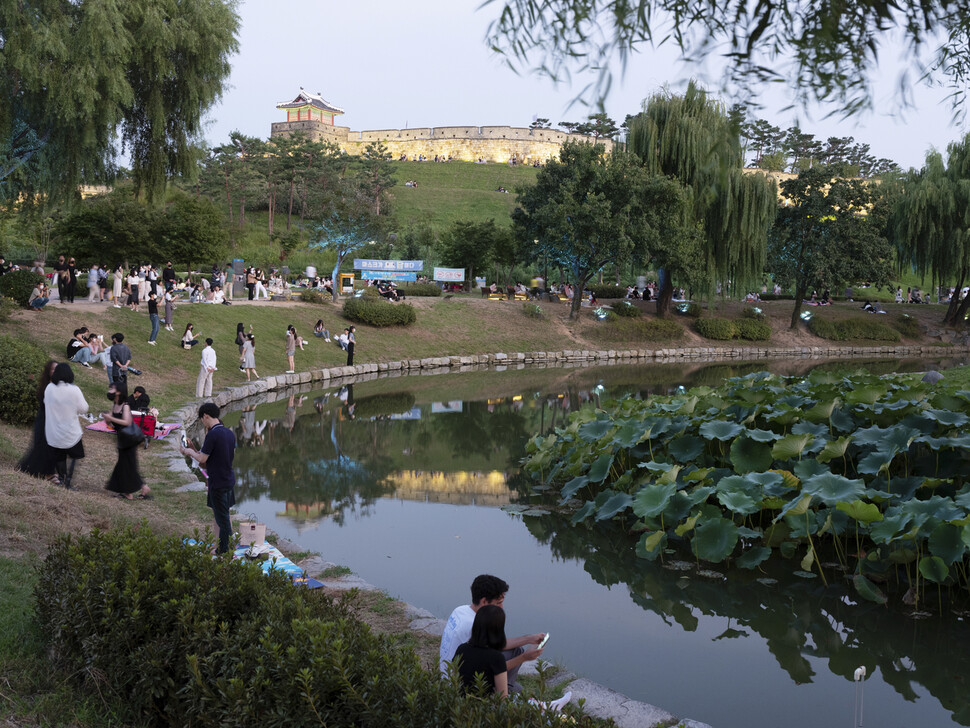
x=161 y=429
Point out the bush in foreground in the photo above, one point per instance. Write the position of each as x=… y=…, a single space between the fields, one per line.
x=718 y=329
x=21 y=364
x=753 y=329
x=617 y=328
x=180 y=638
x=625 y=308
x=856 y=328
x=429 y=290
x=18 y=285
x=377 y=312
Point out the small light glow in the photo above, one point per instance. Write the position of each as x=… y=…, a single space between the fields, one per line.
x=806 y=315
x=600 y=313
x=756 y=309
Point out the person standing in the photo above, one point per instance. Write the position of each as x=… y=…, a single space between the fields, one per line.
x=207 y=367
x=153 y=316
x=249 y=356
x=93 y=284
x=168 y=276
x=229 y=277
x=133 y=289
x=216 y=456
x=290 y=348
x=60 y=278
x=71 y=274
x=120 y=358
x=102 y=283
x=169 y=308
x=39 y=460
x=63 y=402
x=251 y=281
x=125 y=479
x=351 y=341
x=117 y=284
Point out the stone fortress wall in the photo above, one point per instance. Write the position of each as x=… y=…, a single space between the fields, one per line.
x=464 y=143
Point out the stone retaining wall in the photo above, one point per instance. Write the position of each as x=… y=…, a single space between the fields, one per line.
x=567 y=357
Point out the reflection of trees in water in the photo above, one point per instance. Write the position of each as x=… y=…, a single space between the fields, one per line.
x=797 y=618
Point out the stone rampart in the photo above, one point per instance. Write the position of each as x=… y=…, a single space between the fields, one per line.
x=465 y=143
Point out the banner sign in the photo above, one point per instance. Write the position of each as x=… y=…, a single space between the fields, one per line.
x=365 y=264
x=387 y=275
x=453 y=275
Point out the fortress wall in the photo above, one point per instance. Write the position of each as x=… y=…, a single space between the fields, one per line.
x=467 y=143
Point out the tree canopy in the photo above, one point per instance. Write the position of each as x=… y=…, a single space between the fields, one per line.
x=77 y=76
x=824 y=52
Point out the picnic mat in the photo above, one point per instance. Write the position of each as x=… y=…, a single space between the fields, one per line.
x=275 y=559
x=161 y=429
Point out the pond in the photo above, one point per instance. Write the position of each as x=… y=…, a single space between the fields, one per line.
x=404 y=480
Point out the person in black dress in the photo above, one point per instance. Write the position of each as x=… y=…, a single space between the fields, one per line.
x=39 y=460
x=482 y=654
x=125 y=479
x=71 y=280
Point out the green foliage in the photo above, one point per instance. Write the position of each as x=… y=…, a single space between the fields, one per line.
x=692 y=309
x=857 y=328
x=311 y=295
x=7 y=307
x=376 y=312
x=627 y=309
x=753 y=329
x=871 y=469
x=605 y=290
x=382 y=405
x=187 y=639
x=18 y=285
x=907 y=326
x=751 y=312
x=716 y=328
x=532 y=310
x=469 y=245
x=616 y=328
x=21 y=365
x=429 y=290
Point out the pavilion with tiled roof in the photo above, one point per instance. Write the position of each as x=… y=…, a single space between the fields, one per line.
x=310 y=107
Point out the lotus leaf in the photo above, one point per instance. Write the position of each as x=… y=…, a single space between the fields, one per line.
x=790 y=447
x=670 y=476
x=873 y=436
x=806 y=469
x=697 y=475
x=831 y=488
x=947 y=417
x=679 y=506
x=748 y=455
x=570 y=488
x=794 y=400
x=893 y=522
x=687 y=526
x=655 y=467
x=809 y=559
x=787 y=549
x=745 y=532
x=867 y=590
x=842 y=420
x=783 y=416
x=762 y=435
x=767 y=479
x=834 y=449
x=715 y=539
x=738 y=502
x=933 y=569
x=699 y=494
x=630 y=434
x=650 y=545
x=822 y=411
x=962 y=497
x=801 y=526
x=615 y=504
x=601 y=468
x=720 y=430
x=514 y=508
x=865 y=394
x=809 y=428
x=947 y=542
x=937 y=507
x=589 y=507
x=874 y=463
x=533 y=512
x=686 y=448
x=860 y=511
x=593 y=431
x=805 y=574
x=796 y=507
x=652 y=499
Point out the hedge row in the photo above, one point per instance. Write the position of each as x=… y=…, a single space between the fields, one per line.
x=179 y=638
x=857 y=328
x=18 y=285
x=625 y=308
x=378 y=312
x=21 y=365
x=602 y=290
x=429 y=290
x=749 y=329
x=617 y=328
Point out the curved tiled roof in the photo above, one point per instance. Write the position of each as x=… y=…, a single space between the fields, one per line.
x=305 y=98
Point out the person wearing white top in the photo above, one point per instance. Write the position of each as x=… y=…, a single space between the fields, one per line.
x=203 y=386
x=218 y=296
x=63 y=402
x=93 y=284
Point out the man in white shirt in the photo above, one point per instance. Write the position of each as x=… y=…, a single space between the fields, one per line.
x=486 y=589
x=203 y=386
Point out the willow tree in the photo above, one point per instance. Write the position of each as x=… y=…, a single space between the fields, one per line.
x=691 y=140
x=929 y=222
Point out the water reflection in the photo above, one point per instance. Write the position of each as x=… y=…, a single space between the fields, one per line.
x=330 y=456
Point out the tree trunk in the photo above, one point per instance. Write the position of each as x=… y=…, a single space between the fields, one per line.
x=960 y=319
x=951 y=310
x=577 y=300
x=665 y=293
x=796 y=314
x=289 y=211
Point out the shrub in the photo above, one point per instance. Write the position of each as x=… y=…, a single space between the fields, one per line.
x=752 y=312
x=606 y=291
x=429 y=290
x=625 y=308
x=184 y=639
x=532 y=310
x=21 y=364
x=637 y=329
x=18 y=285
x=852 y=329
x=660 y=329
x=716 y=328
x=7 y=307
x=371 y=292
x=907 y=326
x=689 y=308
x=311 y=295
x=377 y=312
x=753 y=329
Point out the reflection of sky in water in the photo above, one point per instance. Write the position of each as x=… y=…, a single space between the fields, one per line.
x=427 y=553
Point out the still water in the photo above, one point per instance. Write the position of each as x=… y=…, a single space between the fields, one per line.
x=404 y=480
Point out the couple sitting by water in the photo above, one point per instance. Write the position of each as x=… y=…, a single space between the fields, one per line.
x=474 y=643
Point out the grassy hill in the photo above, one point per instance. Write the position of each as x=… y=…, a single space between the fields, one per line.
x=456 y=191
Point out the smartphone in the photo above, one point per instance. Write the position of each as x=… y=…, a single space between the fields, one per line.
x=185 y=440
x=544 y=640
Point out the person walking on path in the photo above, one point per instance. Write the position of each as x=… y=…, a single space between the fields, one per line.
x=153 y=316
x=207 y=367
x=249 y=356
x=351 y=341
x=93 y=284
x=63 y=402
x=169 y=308
x=39 y=460
x=216 y=457
x=125 y=479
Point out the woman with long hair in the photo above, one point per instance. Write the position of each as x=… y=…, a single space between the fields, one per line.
x=39 y=459
x=189 y=338
x=63 y=402
x=249 y=356
x=482 y=654
x=125 y=479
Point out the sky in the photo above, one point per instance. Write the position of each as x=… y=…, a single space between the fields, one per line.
x=425 y=63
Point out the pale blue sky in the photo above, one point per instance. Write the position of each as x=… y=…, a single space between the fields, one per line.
x=425 y=63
